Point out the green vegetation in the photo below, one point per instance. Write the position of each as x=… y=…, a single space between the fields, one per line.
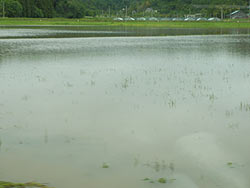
x=4 y=184
x=231 y=165
x=244 y=106
x=107 y=8
x=105 y=165
x=162 y=180
x=107 y=22
x=171 y=180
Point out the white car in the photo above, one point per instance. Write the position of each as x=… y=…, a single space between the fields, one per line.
x=141 y=19
x=177 y=19
x=129 y=19
x=118 y=19
x=166 y=19
x=201 y=19
x=189 y=19
x=214 y=19
x=152 y=19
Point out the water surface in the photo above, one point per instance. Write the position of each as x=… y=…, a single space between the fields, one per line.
x=174 y=107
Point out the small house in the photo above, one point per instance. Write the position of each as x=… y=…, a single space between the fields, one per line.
x=238 y=14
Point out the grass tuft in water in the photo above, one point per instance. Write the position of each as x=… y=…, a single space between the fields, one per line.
x=4 y=184
x=105 y=165
x=162 y=180
x=171 y=180
x=230 y=164
x=244 y=107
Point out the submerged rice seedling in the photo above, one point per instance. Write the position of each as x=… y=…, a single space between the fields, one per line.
x=244 y=107
x=4 y=184
x=162 y=180
x=230 y=164
x=105 y=165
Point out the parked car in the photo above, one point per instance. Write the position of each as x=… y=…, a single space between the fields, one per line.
x=141 y=19
x=166 y=19
x=152 y=19
x=189 y=19
x=201 y=19
x=214 y=19
x=177 y=19
x=118 y=19
x=129 y=19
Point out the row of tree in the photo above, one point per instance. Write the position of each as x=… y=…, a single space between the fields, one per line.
x=43 y=8
x=81 y=8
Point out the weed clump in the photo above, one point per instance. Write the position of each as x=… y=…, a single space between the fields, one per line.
x=105 y=165
x=162 y=180
x=4 y=184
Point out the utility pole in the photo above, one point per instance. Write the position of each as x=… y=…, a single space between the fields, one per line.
x=126 y=11
x=221 y=13
x=249 y=7
x=3 y=8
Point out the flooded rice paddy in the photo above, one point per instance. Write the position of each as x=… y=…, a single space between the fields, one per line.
x=136 y=112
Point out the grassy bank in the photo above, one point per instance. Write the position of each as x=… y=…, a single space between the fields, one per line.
x=109 y=22
x=4 y=184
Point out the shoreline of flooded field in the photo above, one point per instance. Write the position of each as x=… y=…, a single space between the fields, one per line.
x=22 y=32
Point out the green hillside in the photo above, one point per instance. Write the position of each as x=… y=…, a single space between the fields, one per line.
x=105 y=8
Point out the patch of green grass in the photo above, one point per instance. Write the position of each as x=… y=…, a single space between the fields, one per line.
x=110 y=22
x=4 y=184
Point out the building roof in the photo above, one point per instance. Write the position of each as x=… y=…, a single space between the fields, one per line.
x=237 y=11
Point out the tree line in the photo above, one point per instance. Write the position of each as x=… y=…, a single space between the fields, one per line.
x=82 y=8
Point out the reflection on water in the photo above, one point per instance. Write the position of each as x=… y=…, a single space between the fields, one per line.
x=125 y=112
x=107 y=31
